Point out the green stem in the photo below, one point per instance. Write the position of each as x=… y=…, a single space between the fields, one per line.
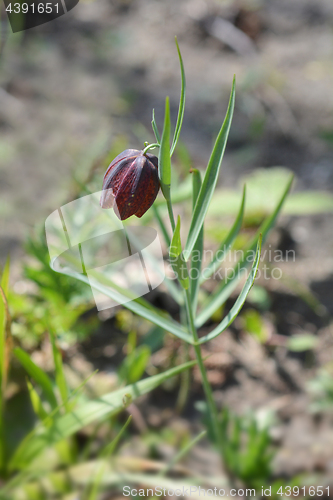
x=171 y=216
x=212 y=409
x=184 y=388
x=150 y=146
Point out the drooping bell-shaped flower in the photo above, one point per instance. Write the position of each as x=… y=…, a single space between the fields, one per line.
x=131 y=183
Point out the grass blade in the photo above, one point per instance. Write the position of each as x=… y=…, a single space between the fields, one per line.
x=127 y=298
x=210 y=179
x=234 y=311
x=4 y=320
x=37 y=374
x=59 y=371
x=4 y=354
x=197 y=254
x=106 y=452
x=182 y=453
x=5 y=277
x=226 y=243
x=226 y=288
x=181 y=107
x=110 y=447
x=36 y=402
x=164 y=161
x=139 y=307
x=105 y=406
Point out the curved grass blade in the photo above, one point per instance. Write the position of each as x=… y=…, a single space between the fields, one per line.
x=225 y=289
x=196 y=261
x=155 y=129
x=37 y=374
x=176 y=258
x=125 y=297
x=234 y=311
x=226 y=243
x=59 y=371
x=138 y=306
x=181 y=107
x=210 y=179
x=105 y=406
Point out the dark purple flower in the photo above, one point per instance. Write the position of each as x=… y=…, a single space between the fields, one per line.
x=131 y=182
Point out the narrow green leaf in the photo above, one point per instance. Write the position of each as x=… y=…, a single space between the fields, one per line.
x=107 y=452
x=197 y=253
x=59 y=371
x=134 y=364
x=300 y=343
x=4 y=283
x=139 y=306
x=155 y=129
x=110 y=447
x=226 y=243
x=105 y=406
x=183 y=452
x=270 y=221
x=36 y=402
x=181 y=107
x=170 y=284
x=225 y=289
x=5 y=276
x=161 y=225
x=164 y=161
x=210 y=179
x=37 y=374
x=4 y=331
x=176 y=258
x=234 y=311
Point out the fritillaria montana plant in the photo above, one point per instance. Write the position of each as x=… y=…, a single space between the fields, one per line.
x=132 y=181
x=131 y=184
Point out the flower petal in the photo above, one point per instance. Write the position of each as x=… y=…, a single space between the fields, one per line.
x=131 y=191
x=151 y=191
x=116 y=166
x=107 y=198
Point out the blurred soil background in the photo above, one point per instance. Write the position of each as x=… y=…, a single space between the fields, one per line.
x=70 y=88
